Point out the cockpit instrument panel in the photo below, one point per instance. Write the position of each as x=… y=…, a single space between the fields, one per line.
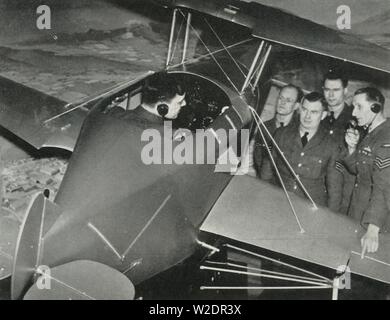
x=205 y=101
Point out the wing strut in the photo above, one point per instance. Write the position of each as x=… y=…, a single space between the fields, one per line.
x=186 y=37
x=174 y=17
x=171 y=51
x=262 y=65
x=252 y=68
x=172 y=56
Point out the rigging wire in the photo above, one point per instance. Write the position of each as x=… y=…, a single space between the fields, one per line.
x=225 y=48
x=214 y=52
x=262 y=275
x=211 y=54
x=239 y=266
x=255 y=114
x=276 y=261
x=257 y=118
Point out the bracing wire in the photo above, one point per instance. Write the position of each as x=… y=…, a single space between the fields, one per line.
x=256 y=116
x=225 y=48
x=260 y=123
x=208 y=54
x=211 y=54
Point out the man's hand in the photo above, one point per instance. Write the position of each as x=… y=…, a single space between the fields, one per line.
x=352 y=138
x=370 y=241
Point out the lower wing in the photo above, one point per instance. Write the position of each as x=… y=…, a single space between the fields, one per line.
x=254 y=212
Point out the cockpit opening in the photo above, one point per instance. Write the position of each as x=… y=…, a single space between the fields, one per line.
x=204 y=101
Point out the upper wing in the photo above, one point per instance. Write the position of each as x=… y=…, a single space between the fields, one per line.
x=30 y=115
x=257 y=213
x=288 y=29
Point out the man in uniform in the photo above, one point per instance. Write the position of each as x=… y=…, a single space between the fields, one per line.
x=288 y=102
x=312 y=154
x=369 y=160
x=339 y=112
x=162 y=100
x=336 y=122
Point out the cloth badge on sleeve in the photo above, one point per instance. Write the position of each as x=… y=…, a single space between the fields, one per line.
x=382 y=163
x=367 y=151
x=339 y=166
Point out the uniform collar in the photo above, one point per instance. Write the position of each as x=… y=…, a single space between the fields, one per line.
x=345 y=113
x=293 y=119
x=371 y=129
x=339 y=111
x=315 y=139
x=284 y=122
x=383 y=126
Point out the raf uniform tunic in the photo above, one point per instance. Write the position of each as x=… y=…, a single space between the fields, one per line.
x=315 y=164
x=260 y=152
x=371 y=164
x=336 y=129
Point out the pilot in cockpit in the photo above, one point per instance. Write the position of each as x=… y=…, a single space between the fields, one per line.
x=162 y=99
x=163 y=96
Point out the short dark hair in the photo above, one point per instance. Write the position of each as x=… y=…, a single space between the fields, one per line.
x=336 y=75
x=372 y=95
x=314 y=97
x=161 y=86
x=298 y=89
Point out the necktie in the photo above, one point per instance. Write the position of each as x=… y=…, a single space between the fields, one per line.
x=363 y=131
x=281 y=124
x=331 y=117
x=304 y=139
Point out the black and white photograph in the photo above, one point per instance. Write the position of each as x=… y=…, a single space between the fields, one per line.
x=212 y=151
